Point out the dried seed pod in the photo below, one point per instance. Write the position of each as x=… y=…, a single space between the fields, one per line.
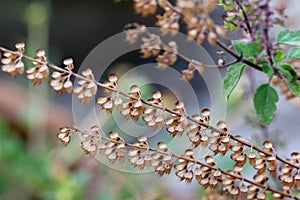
x=179 y=105
x=209 y=5
x=197 y=118
x=222 y=125
x=214 y=148
x=241 y=160
x=180 y=167
x=134 y=152
x=188 y=176
x=201 y=38
x=168 y=21
x=235 y=192
x=187 y=74
x=64 y=136
x=213 y=183
x=238 y=137
x=297 y=180
x=142 y=139
x=296 y=157
x=222 y=149
x=204 y=182
x=145 y=7
x=113 y=78
x=253 y=189
x=20 y=46
x=114 y=135
x=162 y=146
x=261 y=196
x=261 y=178
x=288 y=181
x=86 y=89
x=237 y=149
x=217 y=175
x=118 y=101
x=134 y=89
x=204 y=140
x=272 y=165
x=156 y=95
x=277 y=196
x=69 y=64
x=268 y=146
x=189 y=153
x=150 y=46
x=285 y=170
x=261 y=168
x=41 y=54
x=252 y=158
x=212 y=38
x=38 y=72
x=226 y=141
x=210 y=160
x=244 y=191
x=206 y=114
x=221 y=31
x=106 y=103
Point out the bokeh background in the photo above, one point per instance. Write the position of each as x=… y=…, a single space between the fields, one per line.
x=33 y=165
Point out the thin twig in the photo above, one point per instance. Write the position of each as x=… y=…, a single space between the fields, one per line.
x=246 y=20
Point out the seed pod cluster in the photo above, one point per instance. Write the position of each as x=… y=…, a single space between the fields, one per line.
x=37 y=73
x=153 y=117
x=168 y=21
x=12 y=63
x=61 y=80
x=86 y=88
x=176 y=125
x=64 y=135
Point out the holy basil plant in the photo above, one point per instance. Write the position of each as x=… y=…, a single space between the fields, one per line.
x=265 y=96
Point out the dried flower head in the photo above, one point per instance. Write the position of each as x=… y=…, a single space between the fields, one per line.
x=87 y=87
x=12 y=63
x=145 y=7
x=40 y=71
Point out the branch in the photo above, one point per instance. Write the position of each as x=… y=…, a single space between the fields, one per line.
x=178 y=114
x=188 y=159
x=154 y=105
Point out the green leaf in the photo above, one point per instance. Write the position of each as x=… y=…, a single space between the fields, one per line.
x=268 y=70
x=232 y=78
x=247 y=49
x=289 y=72
x=280 y=56
x=265 y=99
x=295 y=88
x=288 y=37
x=294 y=53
